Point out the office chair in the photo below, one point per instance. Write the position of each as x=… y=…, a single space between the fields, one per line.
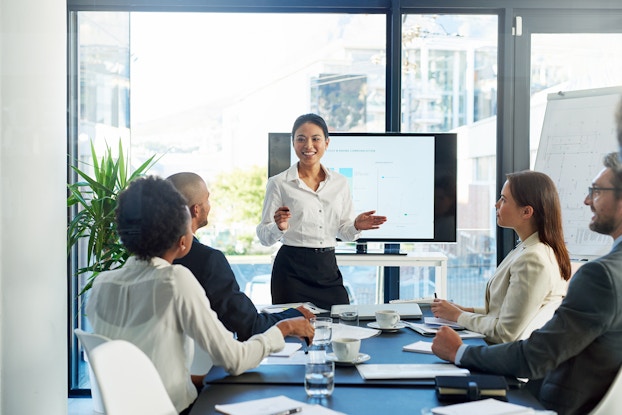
x=129 y=382
x=612 y=401
x=90 y=341
x=540 y=319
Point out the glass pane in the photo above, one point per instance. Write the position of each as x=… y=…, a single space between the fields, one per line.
x=450 y=84
x=204 y=90
x=569 y=62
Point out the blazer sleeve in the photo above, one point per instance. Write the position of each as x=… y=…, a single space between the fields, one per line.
x=587 y=313
x=528 y=284
x=236 y=311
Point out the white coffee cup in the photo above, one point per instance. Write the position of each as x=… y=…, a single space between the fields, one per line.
x=346 y=349
x=387 y=319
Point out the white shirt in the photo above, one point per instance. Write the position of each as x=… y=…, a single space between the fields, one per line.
x=159 y=307
x=318 y=217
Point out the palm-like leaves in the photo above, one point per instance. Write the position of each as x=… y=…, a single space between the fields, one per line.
x=95 y=199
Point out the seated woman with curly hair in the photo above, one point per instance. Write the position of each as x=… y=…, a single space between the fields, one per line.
x=159 y=306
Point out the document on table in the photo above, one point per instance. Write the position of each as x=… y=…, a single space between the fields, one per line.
x=426 y=330
x=274 y=406
x=277 y=308
x=488 y=406
x=419 y=347
x=409 y=371
x=343 y=330
x=288 y=350
x=437 y=322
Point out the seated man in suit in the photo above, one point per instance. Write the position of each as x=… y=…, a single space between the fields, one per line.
x=236 y=311
x=573 y=359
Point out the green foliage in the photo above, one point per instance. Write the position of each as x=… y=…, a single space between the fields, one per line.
x=94 y=200
x=237 y=201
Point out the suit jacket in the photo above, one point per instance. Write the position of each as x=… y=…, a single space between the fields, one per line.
x=234 y=309
x=578 y=353
x=527 y=279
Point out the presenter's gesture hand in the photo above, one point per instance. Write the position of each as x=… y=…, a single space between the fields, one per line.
x=281 y=217
x=367 y=220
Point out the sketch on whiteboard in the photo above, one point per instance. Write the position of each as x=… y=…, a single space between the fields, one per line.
x=577 y=132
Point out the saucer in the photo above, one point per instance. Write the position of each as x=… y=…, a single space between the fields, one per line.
x=375 y=325
x=362 y=357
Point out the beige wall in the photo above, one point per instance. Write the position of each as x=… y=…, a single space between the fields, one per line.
x=33 y=317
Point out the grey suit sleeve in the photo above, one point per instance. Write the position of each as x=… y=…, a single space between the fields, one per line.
x=585 y=314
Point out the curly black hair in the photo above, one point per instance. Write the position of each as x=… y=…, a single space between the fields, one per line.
x=151 y=216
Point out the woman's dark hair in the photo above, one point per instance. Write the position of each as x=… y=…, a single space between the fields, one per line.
x=535 y=189
x=151 y=216
x=313 y=119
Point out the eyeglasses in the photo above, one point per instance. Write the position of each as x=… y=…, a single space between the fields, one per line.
x=595 y=190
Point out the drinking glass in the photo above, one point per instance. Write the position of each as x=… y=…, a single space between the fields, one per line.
x=319 y=379
x=349 y=316
x=323 y=331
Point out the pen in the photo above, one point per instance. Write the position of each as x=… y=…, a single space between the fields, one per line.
x=288 y=411
x=435 y=295
x=306 y=347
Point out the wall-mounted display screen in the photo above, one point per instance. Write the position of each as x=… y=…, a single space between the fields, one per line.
x=409 y=178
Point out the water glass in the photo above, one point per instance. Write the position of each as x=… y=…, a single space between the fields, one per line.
x=320 y=379
x=323 y=331
x=349 y=316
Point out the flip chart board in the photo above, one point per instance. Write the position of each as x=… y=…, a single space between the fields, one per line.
x=578 y=130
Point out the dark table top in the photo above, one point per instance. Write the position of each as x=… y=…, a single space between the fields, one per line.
x=353 y=394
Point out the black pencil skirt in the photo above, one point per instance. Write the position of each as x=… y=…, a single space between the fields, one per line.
x=307 y=274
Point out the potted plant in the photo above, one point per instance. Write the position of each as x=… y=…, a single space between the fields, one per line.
x=93 y=226
x=94 y=199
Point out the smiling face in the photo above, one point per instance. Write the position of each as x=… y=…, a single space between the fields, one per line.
x=607 y=209
x=310 y=143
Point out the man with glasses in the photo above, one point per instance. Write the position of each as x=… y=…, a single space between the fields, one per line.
x=573 y=359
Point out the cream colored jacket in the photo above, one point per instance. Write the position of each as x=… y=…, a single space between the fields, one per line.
x=526 y=280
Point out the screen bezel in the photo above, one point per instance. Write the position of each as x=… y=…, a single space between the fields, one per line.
x=445 y=164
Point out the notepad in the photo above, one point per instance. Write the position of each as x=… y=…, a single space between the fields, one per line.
x=488 y=406
x=275 y=405
x=288 y=350
x=277 y=308
x=419 y=347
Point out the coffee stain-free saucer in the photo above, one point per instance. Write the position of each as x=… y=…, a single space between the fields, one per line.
x=362 y=357
x=374 y=325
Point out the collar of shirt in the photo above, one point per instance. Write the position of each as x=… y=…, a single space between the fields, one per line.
x=617 y=242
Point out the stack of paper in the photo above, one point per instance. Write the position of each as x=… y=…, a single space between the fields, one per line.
x=409 y=371
x=484 y=407
x=419 y=347
x=271 y=406
x=277 y=308
x=437 y=322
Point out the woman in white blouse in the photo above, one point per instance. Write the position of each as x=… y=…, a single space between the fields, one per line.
x=306 y=208
x=159 y=306
x=532 y=275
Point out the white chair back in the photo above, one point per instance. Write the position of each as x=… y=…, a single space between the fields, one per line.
x=611 y=404
x=90 y=341
x=540 y=319
x=129 y=382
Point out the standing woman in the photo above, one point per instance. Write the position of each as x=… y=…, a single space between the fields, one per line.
x=532 y=275
x=306 y=208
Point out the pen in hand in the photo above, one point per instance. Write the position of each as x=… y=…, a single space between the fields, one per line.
x=306 y=345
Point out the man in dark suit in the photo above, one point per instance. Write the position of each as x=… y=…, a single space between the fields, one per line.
x=210 y=267
x=574 y=358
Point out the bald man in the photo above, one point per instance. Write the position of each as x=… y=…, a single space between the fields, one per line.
x=210 y=267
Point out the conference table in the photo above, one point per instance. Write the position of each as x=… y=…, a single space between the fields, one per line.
x=352 y=393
